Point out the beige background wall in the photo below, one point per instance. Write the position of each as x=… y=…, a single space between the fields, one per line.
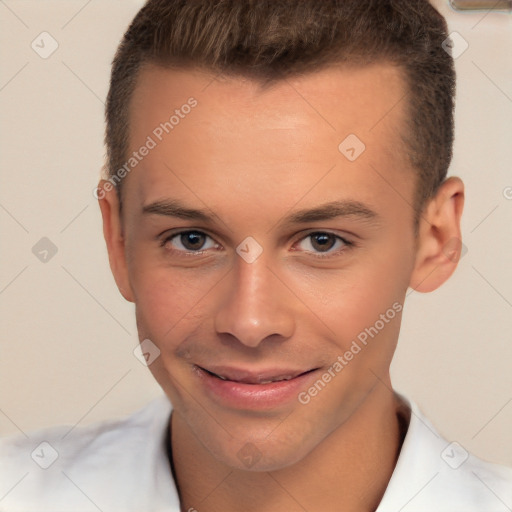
x=67 y=336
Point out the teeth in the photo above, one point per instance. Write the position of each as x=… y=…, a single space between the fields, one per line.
x=268 y=381
x=276 y=380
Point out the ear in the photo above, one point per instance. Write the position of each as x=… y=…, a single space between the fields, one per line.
x=113 y=233
x=439 y=244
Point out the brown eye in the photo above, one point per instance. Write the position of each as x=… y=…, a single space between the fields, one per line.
x=189 y=241
x=322 y=241
x=192 y=240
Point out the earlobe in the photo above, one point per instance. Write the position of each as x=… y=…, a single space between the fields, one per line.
x=114 y=238
x=439 y=245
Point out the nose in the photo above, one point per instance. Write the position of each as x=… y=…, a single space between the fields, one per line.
x=254 y=305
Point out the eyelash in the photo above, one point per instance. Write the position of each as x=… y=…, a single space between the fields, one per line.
x=347 y=244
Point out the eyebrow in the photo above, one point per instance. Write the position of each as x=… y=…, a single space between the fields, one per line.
x=333 y=210
x=174 y=208
x=327 y=211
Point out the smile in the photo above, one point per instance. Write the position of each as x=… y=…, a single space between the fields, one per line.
x=262 y=389
x=263 y=377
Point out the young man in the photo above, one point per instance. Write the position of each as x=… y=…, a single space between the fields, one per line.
x=276 y=182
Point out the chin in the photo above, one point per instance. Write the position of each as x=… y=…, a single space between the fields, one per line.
x=257 y=455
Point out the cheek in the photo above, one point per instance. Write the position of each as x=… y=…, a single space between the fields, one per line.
x=166 y=301
x=359 y=295
x=162 y=294
x=364 y=297
x=169 y=310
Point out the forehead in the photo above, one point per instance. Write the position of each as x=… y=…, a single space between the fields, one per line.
x=239 y=139
x=331 y=100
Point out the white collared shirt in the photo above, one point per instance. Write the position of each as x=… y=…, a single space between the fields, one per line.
x=123 y=466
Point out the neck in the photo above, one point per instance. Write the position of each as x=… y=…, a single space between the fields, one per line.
x=352 y=467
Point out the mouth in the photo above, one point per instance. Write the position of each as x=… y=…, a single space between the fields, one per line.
x=255 y=390
x=256 y=378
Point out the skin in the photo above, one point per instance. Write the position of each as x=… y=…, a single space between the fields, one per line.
x=250 y=159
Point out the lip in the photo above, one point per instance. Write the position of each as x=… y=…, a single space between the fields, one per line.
x=255 y=376
x=244 y=389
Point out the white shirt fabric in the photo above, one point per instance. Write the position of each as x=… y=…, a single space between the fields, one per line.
x=122 y=465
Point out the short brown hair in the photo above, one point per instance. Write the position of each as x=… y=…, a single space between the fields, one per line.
x=269 y=40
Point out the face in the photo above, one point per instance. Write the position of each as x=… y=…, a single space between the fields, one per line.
x=260 y=252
